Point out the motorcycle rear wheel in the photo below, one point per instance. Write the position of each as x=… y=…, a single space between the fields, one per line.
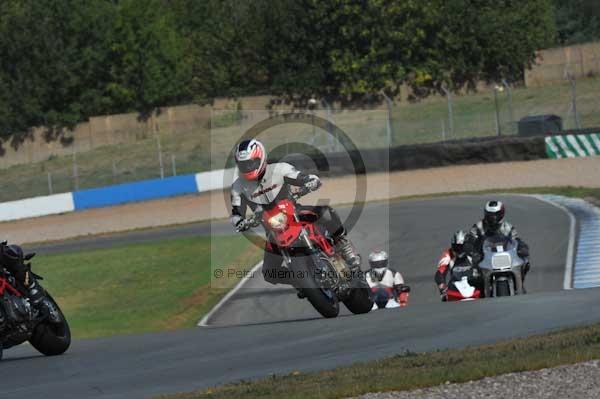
x=502 y=288
x=52 y=339
x=360 y=301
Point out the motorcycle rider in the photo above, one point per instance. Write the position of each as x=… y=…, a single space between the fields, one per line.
x=493 y=223
x=459 y=252
x=384 y=281
x=13 y=260
x=259 y=183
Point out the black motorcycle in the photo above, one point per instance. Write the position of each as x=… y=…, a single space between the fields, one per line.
x=45 y=327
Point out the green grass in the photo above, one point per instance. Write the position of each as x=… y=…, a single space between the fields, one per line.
x=194 y=147
x=416 y=370
x=142 y=287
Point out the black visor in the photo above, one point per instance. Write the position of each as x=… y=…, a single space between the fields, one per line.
x=378 y=264
x=249 y=166
x=493 y=218
x=458 y=249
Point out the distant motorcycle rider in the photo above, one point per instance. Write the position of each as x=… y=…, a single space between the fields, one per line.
x=384 y=282
x=13 y=260
x=460 y=252
x=493 y=223
x=261 y=184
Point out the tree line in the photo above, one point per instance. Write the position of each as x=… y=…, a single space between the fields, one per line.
x=62 y=61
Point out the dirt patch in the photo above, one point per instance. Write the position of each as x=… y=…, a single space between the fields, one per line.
x=583 y=172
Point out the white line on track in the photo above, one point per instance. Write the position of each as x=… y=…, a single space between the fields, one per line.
x=568 y=279
x=204 y=321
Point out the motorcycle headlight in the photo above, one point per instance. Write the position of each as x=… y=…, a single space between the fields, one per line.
x=278 y=222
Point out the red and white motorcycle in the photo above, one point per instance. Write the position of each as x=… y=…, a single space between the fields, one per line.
x=464 y=282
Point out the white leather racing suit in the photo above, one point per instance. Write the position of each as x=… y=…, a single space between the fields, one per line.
x=273 y=185
x=386 y=284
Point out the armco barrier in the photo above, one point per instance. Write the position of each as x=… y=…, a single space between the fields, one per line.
x=484 y=150
x=38 y=206
x=111 y=195
x=134 y=192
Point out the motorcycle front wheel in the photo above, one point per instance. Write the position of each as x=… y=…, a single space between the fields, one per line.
x=52 y=339
x=322 y=299
x=502 y=288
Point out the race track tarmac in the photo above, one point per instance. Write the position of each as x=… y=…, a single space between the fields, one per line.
x=268 y=330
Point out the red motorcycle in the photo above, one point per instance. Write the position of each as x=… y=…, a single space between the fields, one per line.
x=465 y=282
x=314 y=267
x=20 y=321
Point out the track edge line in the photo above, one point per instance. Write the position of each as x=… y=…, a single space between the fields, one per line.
x=568 y=279
x=204 y=321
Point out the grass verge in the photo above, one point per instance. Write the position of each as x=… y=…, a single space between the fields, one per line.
x=145 y=287
x=592 y=194
x=411 y=370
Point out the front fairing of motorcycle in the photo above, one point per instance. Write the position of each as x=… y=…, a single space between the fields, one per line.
x=286 y=230
x=283 y=228
x=462 y=290
x=502 y=261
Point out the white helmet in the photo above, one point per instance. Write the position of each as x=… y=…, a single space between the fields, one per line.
x=378 y=259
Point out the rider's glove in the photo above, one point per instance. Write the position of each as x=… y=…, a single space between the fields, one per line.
x=312 y=183
x=242 y=225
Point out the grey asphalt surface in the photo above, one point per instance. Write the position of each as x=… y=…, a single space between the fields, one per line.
x=415 y=233
x=290 y=336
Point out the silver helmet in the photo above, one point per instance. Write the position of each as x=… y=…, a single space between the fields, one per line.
x=378 y=259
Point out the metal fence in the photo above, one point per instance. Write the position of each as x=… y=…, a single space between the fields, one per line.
x=497 y=111
x=203 y=145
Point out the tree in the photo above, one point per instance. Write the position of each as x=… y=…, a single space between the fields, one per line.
x=577 y=21
x=378 y=45
x=148 y=67
x=52 y=62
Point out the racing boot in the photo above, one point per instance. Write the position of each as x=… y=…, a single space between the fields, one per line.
x=39 y=300
x=346 y=249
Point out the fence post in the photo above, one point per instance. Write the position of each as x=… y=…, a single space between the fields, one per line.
x=450 y=110
x=498 y=127
x=75 y=172
x=574 y=99
x=389 y=126
x=173 y=165
x=510 y=105
x=334 y=144
x=50 y=190
x=160 y=158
